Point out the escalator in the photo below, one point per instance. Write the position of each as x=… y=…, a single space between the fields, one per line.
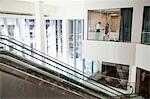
x=33 y=66
x=28 y=87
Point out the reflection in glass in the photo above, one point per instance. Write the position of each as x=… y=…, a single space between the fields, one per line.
x=118 y=74
x=90 y=67
x=112 y=74
x=125 y=24
x=146 y=37
x=146 y=26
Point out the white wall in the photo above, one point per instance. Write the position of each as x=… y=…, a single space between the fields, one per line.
x=70 y=12
x=25 y=7
x=16 y=6
x=143 y=56
x=104 y=4
x=50 y=11
x=115 y=52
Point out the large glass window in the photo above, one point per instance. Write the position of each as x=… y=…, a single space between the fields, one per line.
x=1 y=26
x=54 y=39
x=115 y=74
x=17 y=27
x=9 y=28
x=125 y=25
x=21 y=29
x=30 y=38
x=146 y=26
x=90 y=67
x=75 y=43
x=110 y=24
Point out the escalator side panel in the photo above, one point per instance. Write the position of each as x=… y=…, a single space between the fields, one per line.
x=15 y=88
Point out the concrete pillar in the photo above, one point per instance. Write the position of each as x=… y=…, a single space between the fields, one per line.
x=137 y=19
x=132 y=78
x=86 y=25
x=39 y=26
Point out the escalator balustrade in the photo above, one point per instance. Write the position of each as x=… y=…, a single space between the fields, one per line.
x=20 y=56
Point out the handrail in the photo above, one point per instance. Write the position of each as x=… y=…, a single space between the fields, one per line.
x=62 y=70
x=145 y=32
x=35 y=51
x=43 y=56
x=5 y=68
x=112 y=78
x=54 y=62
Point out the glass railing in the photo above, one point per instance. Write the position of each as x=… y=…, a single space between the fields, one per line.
x=145 y=39
x=52 y=64
x=111 y=36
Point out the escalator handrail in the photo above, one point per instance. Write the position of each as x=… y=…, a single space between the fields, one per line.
x=56 y=62
x=32 y=50
x=62 y=65
x=64 y=71
x=37 y=52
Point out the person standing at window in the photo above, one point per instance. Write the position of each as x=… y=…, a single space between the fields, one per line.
x=99 y=30
x=106 y=36
x=98 y=27
x=106 y=29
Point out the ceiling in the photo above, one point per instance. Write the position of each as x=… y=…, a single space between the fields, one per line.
x=113 y=10
x=72 y=2
x=58 y=2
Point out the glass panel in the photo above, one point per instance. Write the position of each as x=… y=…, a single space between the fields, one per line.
x=145 y=38
x=103 y=24
x=75 y=43
x=90 y=67
x=115 y=75
x=110 y=24
x=30 y=38
x=125 y=24
x=1 y=26
x=54 y=39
